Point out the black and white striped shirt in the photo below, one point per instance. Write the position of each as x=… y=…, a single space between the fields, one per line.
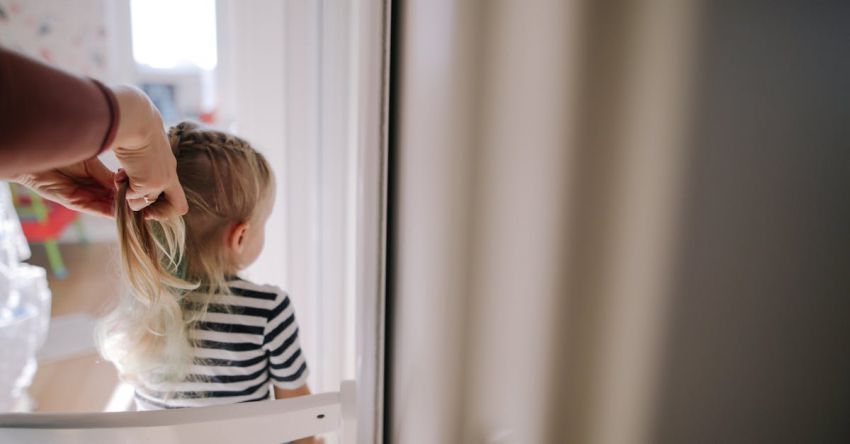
x=245 y=341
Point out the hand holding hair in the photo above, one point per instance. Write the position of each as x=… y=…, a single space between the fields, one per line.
x=54 y=124
x=142 y=147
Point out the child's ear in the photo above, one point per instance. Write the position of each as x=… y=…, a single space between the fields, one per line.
x=236 y=238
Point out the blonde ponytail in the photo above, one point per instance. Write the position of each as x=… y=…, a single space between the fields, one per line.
x=146 y=335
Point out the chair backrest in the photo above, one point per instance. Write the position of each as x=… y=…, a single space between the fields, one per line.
x=256 y=422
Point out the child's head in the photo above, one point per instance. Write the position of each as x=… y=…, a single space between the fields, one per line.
x=230 y=190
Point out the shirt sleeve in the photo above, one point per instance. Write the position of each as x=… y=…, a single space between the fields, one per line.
x=50 y=118
x=287 y=365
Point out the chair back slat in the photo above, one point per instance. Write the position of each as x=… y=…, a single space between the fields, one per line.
x=270 y=422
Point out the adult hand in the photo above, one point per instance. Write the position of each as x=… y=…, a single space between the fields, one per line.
x=86 y=186
x=141 y=147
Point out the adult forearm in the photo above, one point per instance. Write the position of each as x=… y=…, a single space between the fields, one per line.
x=49 y=118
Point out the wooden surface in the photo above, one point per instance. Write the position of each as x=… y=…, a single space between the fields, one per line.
x=84 y=383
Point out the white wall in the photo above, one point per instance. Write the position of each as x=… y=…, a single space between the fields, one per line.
x=285 y=87
x=71 y=34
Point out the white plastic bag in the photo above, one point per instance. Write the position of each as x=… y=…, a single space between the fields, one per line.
x=24 y=307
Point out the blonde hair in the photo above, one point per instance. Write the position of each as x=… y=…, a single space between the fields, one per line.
x=164 y=262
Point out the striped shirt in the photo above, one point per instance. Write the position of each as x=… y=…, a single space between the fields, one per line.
x=246 y=341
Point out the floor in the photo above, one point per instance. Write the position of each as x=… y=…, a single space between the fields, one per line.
x=81 y=382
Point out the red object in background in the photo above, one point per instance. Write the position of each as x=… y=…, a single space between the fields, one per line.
x=208 y=116
x=58 y=219
x=43 y=222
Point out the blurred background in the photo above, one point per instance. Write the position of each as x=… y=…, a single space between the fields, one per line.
x=279 y=74
x=619 y=222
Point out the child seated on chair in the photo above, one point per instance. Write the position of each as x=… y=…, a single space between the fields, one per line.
x=189 y=332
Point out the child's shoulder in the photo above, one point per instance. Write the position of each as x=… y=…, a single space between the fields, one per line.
x=261 y=292
x=266 y=300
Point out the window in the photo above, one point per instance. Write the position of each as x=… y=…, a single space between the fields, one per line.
x=176 y=57
x=169 y=34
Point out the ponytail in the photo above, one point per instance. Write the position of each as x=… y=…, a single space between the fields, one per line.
x=146 y=335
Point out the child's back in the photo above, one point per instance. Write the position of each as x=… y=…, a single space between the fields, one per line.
x=246 y=340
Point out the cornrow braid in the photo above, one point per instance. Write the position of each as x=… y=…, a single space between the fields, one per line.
x=188 y=134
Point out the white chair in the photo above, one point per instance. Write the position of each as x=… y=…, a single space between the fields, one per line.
x=255 y=422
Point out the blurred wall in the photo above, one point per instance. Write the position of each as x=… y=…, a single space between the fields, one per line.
x=619 y=222
x=70 y=34
x=288 y=85
x=758 y=335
